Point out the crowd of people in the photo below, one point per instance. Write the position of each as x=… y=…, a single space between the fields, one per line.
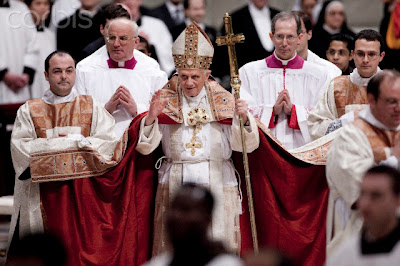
x=127 y=142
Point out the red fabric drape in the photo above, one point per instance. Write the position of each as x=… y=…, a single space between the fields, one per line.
x=290 y=201
x=105 y=220
x=108 y=220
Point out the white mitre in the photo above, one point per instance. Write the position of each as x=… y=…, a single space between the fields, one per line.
x=193 y=49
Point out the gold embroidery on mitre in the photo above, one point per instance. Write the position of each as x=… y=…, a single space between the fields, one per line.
x=191 y=58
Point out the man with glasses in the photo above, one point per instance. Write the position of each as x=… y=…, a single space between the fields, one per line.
x=120 y=77
x=373 y=138
x=346 y=95
x=282 y=88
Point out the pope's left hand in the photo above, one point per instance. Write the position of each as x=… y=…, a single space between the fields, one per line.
x=241 y=109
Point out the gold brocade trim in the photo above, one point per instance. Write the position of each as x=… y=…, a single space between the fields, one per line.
x=222 y=102
x=379 y=139
x=190 y=59
x=348 y=93
x=316 y=155
x=77 y=113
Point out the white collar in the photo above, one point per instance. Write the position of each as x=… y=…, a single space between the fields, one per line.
x=360 y=81
x=50 y=98
x=198 y=98
x=330 y=30
x=285 y=62
x=188 y=21
x=367 y=115
x=172 y=8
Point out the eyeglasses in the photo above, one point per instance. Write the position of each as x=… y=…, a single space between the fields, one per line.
x=340 y=52
x=122 y=39
x=390 y=102
x=281 y=37
x=371 y=55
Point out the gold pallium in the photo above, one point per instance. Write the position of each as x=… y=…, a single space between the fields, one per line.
x=196 y=117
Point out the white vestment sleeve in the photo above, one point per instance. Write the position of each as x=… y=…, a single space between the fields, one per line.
x=348 y=159
x=149 y=137
x=80 y=85
x=323 y=114
x=262 y=112
x=251 y=133
x=302 y=116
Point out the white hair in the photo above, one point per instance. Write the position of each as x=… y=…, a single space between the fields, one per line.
x=135 y=27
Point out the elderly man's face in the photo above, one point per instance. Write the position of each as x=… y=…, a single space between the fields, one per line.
x=121 y=41
x=192 y=81
x=285 y=38
x=386 y=108
x=378 y=202
x=61 y=74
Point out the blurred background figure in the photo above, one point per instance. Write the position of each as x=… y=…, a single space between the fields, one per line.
x=267 y=257
x=310 y=7
x=19 y=52
x=77 y=31
x=340 y=52
x=171 y=12
x=188 y=224
x=332 y=20
x=195 y=10
x=61 y=10
x=46 y=39
x=391 y=33
x=254 y=21
x=379 y=241
x=38 y=250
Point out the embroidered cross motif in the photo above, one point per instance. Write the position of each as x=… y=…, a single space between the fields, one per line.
x=193 y=145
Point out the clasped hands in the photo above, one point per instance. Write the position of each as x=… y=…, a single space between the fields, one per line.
x=283 y=103
x=15 y=82
x=123 y=97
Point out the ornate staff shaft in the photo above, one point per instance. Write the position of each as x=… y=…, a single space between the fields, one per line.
x=230 y=40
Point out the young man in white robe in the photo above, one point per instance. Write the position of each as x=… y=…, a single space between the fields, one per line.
x=372 y=139
x=120 y=77
x=282 y=88
x=39 y=143
x=187 y=117
x=19 y=52
x=346 y=95
x=309 y=56
x=379 y=242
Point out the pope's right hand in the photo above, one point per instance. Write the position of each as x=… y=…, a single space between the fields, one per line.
x=156 y=106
